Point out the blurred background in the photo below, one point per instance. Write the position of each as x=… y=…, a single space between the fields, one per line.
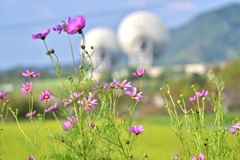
x=177 y=40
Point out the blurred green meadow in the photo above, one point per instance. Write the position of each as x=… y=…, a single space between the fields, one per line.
x=157 y=141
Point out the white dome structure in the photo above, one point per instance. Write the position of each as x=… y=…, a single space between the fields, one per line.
x=106 y=48
x=142 y=37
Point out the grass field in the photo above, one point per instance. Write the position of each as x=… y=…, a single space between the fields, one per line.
x=158 y=140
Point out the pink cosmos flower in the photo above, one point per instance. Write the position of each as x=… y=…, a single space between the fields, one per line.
x=91 y=125
x=90 y=103
x=31 y=158
x=74 y=96
x=41 y=35
x=53 y=106
x=67 y=125
x=133 y=93
x=30 y=114
x=234 y=128
x=139 y=73
x=175 y=155
x=88 y=109
x=46 y=96
x=75 y=25
x=28 y=74
x=59 y=27
x=202 y=94
x=3 y=94
x=27 y=87
x=124 y=85
x=200 y=157
x=192 y=99
x=136 y=129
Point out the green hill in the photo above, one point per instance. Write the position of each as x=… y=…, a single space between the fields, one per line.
x=210 y=37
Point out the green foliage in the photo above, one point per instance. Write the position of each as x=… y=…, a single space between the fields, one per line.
x=196 y=132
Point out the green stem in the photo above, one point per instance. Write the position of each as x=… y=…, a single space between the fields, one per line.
x=73 y=59
x=20 y=128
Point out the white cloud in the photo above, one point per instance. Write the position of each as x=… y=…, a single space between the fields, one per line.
x=183 y=5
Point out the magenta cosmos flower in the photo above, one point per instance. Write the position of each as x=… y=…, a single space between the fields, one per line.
x=59 y=27
x=139 y=73
x=200 y=157
x=46 y=96
x=133 y=93
x=234 y=128
x=31 y=158
x=29 y=74
x=53 y=106
x=41 y=35
x=136 y=129
x=192 y=99
x=2 y=96
x=30 y=113
x=75 y=25
x=69 y=123
x=202 y=94
x=27 y=87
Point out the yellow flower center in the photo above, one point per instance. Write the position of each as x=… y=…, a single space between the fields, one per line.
x=27 y=88
x=88 y=102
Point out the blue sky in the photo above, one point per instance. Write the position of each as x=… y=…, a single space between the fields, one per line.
x=20 y=19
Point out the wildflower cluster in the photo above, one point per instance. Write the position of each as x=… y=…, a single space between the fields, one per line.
x=198 y=133
x=91 y=127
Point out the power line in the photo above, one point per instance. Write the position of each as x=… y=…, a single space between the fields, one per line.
x=91 y=15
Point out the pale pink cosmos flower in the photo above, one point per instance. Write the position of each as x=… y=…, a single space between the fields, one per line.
x=30 y=113
x=59 y=27
x=200 y=157
x=73 y=97
x=41 y=35
x=53 y=106
x=46 y=96
x=139 y=72
x=136 y=129
x=75 y=25
x=192 y=99
x=134 y=94
x=67 y=125
x=175 y=155
x=234 y=128
x=124 y=84
x=29 y=74
x=27 y=87
x=202 y=94
x=90 y=101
